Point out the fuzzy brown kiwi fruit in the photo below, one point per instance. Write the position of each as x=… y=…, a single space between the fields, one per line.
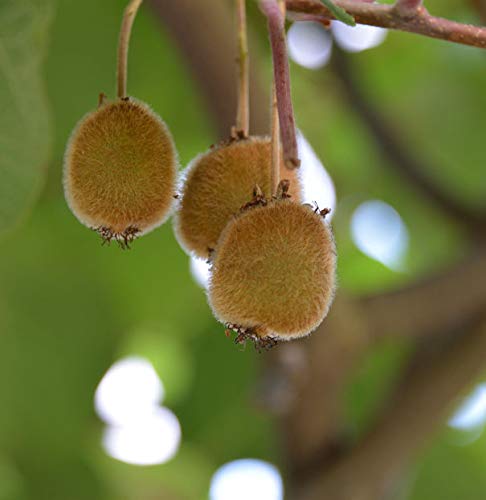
x=274 y=272
x=120 y=170
x=217 y=183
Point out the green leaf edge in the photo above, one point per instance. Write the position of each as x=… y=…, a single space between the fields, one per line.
x=339 y=13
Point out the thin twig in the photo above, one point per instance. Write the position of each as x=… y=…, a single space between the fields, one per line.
x=396 y=17
x=125 y=32
x=243 y=113
x=276 y=27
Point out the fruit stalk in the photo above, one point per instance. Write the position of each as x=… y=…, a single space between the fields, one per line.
x=276 y=28
x=276 y=142
x=276 y=145
x=123 y=44
x=243 y=112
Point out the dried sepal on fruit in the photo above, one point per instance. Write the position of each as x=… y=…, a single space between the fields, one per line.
x=120 y=170
x=274 y=272
x=217 y=184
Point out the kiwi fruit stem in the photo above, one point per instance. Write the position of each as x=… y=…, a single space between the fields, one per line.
x=123 y=44
x=243 y=110
x=276 y=145
x=281 y=69
x=276 y=142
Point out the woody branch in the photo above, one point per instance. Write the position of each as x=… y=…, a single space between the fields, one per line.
x=421 y=402
x=404 y=15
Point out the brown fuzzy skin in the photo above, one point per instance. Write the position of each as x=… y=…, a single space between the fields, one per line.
x=218 y=183
x=274 y=271
x=120 y=169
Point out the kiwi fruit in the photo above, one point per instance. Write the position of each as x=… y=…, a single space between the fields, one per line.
x=273 y=272
x=217 y=183
x=120 y=164
x=120 y=170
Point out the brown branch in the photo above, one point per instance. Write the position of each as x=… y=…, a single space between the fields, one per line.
x=429 y=307
x=421 y=403
x=395 y=17
x=399 y=155
x=205 y=37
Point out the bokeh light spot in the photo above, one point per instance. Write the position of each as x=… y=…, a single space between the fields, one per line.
x=130 y=389
x=471 y=414
x=317 y=185
x=153 y=439
x=200 y=271
x=357 y=38
x=247 y=479
x=379 y=232
x=310 y=45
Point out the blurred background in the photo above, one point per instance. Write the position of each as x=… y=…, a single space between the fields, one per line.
x=116 y=383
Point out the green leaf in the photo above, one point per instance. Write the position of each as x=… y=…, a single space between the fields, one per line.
x=339 y=13
x=24 y=121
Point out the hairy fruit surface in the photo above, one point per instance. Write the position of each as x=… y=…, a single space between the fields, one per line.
x=218 y=183
x=120 y=170
x=273 y=272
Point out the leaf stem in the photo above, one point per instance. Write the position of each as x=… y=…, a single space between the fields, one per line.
x=243 y=111
x=339 y=13
x=123 y=44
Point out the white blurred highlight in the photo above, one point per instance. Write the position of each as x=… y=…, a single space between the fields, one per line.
x=246 y=479
x=139 y=431
x=357 y=38
x=472 y=412
x=153 y=439
x=379 y=232
x=200 y=271
x=129 y=389
x=317 y=185
x=310 y=45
